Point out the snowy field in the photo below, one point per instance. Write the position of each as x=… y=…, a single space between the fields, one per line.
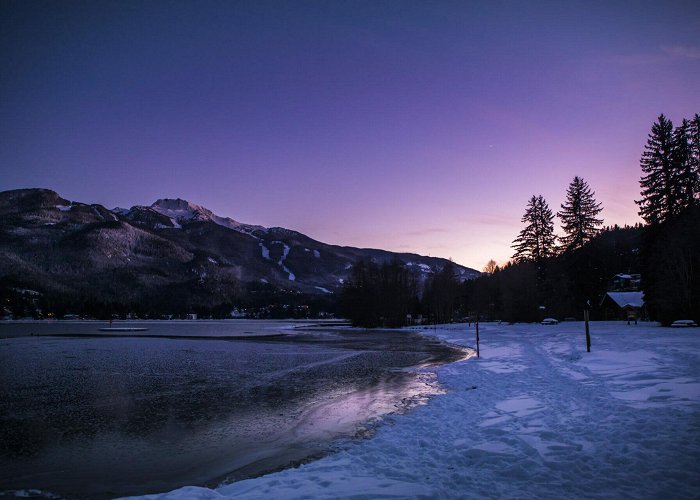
x=535 y=417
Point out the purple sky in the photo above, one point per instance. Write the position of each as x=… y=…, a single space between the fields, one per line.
x=410 y=126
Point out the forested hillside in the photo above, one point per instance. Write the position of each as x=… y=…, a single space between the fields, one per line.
x=560 y=276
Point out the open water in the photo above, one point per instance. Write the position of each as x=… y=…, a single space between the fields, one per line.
x=85 y=415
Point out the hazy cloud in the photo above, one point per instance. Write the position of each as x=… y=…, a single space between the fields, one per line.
x=489 y=220
x=636 y=59
x=427 y=231
x=681 y=51
x=665 y=54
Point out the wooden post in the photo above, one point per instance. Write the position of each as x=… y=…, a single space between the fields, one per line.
x=477 y=336
x=588 y=334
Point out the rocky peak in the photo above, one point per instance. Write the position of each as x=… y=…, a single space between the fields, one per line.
x=22 y=200
x=182 y=210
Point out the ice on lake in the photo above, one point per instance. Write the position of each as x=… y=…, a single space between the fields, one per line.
x=108 y=416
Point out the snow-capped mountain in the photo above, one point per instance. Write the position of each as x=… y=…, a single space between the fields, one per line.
x=172 y=246
x=180 y=212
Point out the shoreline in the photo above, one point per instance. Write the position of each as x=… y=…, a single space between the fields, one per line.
x=535 y=416
x=315 y=427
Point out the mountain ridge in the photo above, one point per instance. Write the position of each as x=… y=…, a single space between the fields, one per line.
x=172 y=247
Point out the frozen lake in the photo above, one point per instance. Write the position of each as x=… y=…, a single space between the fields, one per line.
x=192 y=402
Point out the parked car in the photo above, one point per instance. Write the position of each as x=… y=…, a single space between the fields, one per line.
x=683 y=323
x=550 y=321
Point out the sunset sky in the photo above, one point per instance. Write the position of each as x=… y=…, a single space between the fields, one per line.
x=410 y=126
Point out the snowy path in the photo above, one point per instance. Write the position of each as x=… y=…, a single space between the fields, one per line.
x=535 y=417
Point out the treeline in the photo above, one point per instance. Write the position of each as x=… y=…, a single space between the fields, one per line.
x=547 y=276
x=394 y=295
x=670 y=205
x=559 y=276
x=561 y=285
x=176 y=300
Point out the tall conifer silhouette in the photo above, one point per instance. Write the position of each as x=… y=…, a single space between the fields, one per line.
x=693 y=170
x=578 y=215
x=657 y=203
x=535 y=242
x=684 y=187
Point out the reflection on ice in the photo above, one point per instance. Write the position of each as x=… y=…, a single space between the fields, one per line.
x=103 y=417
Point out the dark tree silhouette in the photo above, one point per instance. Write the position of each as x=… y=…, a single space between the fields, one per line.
x=517 y=290
x=491 y=267
x=578 y=215
x=692 y=170
x=670 y=204
x=657 y=183
x=377 y=295
x=685 y=187
x=441 y=295
x=535 y=242
x=671 y=268
x=359 y=301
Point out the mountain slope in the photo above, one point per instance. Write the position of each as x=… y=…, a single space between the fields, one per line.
x=171 y=252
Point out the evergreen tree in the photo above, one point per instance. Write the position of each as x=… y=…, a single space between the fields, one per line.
x=578 y=215
x=671 y=205
x=685 y=188
x=671 y=268
x=360 y=301
x=657 y=203
x=441 y=295
x=398 y=289
x=536 y=241
x=520 y=292
x=693 y=134
x=377 y=295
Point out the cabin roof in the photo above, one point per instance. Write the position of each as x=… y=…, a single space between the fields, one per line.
x=627 y=299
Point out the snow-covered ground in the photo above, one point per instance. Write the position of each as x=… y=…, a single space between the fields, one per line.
x=535 y=417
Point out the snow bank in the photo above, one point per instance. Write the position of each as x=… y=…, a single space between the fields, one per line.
x=535 y=417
